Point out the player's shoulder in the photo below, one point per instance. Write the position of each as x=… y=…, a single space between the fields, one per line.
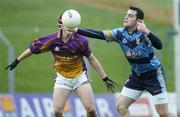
x=81 y=38
x=119 y=29
x=51 y=36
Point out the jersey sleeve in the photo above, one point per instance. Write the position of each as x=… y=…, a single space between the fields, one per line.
x=86 y=49
x=42 y=45
x=146 y=41
x=111 y=35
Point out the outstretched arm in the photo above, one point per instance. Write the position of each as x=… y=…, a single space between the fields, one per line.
x=91 y=33
x=24 y=55
x=111 y=85
x=97 y=66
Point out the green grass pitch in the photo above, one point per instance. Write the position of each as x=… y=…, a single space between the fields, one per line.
x=24 y=20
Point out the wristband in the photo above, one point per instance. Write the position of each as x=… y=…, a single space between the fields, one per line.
x=105 y=79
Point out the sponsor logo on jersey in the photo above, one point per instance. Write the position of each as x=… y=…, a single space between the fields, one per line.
x=133 y=53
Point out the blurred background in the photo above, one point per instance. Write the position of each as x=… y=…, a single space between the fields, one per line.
x=24 y=20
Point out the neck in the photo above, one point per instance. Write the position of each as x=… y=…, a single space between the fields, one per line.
x=66 y=36
x=131 y=29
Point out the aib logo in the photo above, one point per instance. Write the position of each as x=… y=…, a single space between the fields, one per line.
x=70 y=14
x=133 y=53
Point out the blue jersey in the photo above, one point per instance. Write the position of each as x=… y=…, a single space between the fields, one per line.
x=136 y=47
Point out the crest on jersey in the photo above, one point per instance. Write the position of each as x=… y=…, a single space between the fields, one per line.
x=56 y=49
x=138 y=41
x=124 y=40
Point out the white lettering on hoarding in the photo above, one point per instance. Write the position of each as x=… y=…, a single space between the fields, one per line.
x=26 y=110
x=1 y=114
x=48 y=106
x=79 y=108
x=37 y=107
x=103 y=107
x=139 y=109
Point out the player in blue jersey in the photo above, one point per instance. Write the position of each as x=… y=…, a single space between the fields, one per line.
x=138 y=43
x=68 y=49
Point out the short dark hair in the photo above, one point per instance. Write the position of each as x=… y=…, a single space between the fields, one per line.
x=140 y=13
x=60 y=17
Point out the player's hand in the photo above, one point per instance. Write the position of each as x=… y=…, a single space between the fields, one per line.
x=111 y=85
x=142 y=27
x=12 y=65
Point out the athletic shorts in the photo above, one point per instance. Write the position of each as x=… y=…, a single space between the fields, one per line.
x=152 y=81
x=71 y=84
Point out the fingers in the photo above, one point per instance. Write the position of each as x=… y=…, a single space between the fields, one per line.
x=112 y=82
x=140 y=27
x=114 y=88
x=140 y=22
x=7 y=67
x=111 y=87
x=10 y=67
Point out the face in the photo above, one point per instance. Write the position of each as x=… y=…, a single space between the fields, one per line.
x=130 y=19
x=61 y=27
